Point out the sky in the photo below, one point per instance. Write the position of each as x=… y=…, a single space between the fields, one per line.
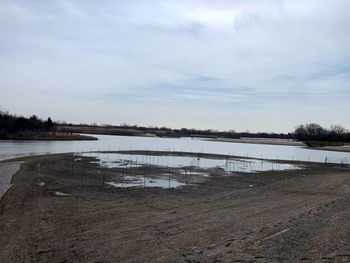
x=244 y=65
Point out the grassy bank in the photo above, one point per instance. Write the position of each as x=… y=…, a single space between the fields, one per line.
x=47 y=136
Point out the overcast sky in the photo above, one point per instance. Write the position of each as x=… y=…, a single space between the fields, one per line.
x=258 y=65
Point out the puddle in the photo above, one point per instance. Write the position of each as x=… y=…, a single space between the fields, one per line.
x=117 y=160
x=186 y=168
x=192 y=173
x=134 y=181
x=60 y=194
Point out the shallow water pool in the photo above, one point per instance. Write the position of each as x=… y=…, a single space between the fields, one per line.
x=118 y=160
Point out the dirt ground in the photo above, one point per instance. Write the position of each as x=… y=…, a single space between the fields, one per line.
x=60 y=211
x=344 y=148
x=269 y=141
x=286 y=142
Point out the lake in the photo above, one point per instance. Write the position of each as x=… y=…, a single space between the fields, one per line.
x=12 y=149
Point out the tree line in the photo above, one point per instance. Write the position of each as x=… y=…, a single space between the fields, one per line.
x=182 y=132
x=305 y=132
x=315 y=132
x=13 y=123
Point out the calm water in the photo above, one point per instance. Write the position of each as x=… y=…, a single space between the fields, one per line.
x=117 y=160
x=11 y=149
x=137 y=181
x=185 y=167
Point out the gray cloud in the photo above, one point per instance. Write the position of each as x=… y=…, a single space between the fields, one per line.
x=143 y=61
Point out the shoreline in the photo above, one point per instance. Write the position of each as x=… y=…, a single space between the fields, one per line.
x=46 y=136
x=283 y=142
x=156 y=153
x=137 y=133
x=268 y=141
x=345 y=148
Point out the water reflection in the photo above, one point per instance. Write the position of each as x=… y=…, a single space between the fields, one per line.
x=12 y=149
x=116 y=160
x=138 y=181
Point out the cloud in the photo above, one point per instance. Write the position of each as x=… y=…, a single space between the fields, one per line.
x=289 y=56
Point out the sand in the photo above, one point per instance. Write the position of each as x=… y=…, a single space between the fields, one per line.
x=270 y=141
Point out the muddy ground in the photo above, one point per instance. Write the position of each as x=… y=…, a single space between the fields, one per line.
x=290 y=216
x=7 y=170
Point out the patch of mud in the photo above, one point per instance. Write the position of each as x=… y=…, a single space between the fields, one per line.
x=7 y=170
